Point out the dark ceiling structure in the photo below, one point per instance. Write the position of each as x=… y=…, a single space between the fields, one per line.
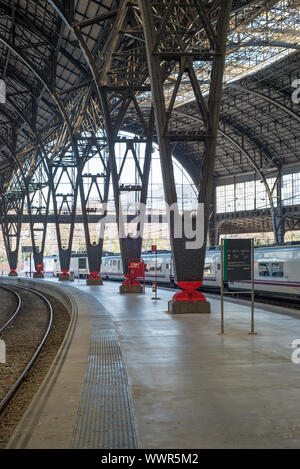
x=42 y=64
x=77 y=73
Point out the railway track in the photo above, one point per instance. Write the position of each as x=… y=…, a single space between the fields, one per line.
x=15 y=312
x=32 y=348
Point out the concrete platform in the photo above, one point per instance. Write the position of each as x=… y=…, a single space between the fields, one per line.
x=181 y=384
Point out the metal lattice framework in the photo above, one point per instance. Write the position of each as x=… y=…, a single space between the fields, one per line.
x=77 y=73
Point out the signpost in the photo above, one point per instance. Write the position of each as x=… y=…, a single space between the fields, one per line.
x=237 y=264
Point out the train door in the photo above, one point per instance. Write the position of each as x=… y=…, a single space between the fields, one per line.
x=172 y=271
x=82 y=267
x=167 y=269
x=218 y=269
x=120 y=268
x=56 y=268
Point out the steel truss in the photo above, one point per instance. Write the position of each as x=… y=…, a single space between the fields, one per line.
x=117 y=88
x=173 y=49
x=165 y=43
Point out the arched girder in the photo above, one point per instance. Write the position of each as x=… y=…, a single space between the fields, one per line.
x=111 y=127
x=232 y=141
x=32 y=131
x=15 y=160
x=25 y=22
x=254 y=141
x=14 y=75
x=276 y=136
x=273 y=101
x=16 y=51
x=37 y=254
x=244 y=152
x=8 y=158
x=23 y=118
x=258 y=43
x=7 y=116
x=192 y=165
x=61 y=11
x=259 y=172
x=8 y=236
x=252 y=163
x=261 y=110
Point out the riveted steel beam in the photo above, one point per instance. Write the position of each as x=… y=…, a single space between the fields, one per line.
x=189 y=263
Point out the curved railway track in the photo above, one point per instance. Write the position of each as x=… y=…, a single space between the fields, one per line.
x=16 y=312
x=21 y=376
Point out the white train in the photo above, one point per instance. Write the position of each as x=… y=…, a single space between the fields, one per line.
x=276 y=269
x=78 y=265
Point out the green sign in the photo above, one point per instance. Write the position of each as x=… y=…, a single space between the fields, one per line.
x=237 y=259
x=27 y=249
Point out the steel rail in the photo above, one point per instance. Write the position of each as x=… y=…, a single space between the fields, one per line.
x=22 y=376
x=2 y=329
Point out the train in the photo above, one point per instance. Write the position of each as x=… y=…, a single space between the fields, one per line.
x=276 y=269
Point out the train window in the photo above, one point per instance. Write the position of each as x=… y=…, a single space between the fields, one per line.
x=119 y=265
x=277 y=269
x=159 y=268
x=207 y=269
x=264 y=270
x=167 y=266
x=218 y=266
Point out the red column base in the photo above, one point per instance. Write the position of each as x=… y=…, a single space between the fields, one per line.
x=64 y=275
x=13 y=273
x=38 y=274
x=189 y=292
x=94 y=276
x=131 y=285
x=94 y=279
x=130 y=281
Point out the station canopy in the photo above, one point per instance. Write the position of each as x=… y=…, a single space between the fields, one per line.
x=45 y=70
